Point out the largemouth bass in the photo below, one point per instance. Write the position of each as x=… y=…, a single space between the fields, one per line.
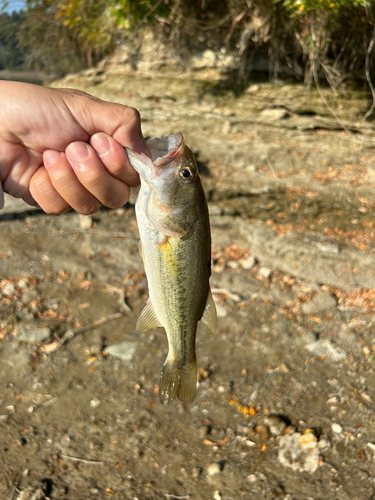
x=175 y=244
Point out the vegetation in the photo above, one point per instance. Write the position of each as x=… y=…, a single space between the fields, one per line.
x=333 y=39
x=11 y=55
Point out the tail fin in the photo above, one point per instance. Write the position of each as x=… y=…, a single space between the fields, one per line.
x=178 y=381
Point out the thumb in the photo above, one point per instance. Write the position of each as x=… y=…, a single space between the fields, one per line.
x=123 y=123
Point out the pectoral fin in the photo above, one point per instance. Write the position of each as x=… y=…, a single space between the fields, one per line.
x=147 y=319
x=209 y=318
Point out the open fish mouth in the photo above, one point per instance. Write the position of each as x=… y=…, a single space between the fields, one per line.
x=163 y=150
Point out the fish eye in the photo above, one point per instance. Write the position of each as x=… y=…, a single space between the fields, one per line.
x=186 y=174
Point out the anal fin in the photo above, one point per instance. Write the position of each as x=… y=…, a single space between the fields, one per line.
x=209 y=318
x=147 y=319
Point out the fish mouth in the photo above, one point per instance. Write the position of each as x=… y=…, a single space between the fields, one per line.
x=164 y=151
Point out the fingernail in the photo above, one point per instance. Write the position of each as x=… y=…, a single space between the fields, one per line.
x=50 y=156
x=100 y=143
x=78 y=151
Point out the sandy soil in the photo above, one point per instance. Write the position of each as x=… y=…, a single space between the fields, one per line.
x=285 y=396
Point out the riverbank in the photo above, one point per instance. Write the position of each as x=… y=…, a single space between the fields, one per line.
x=285 y=403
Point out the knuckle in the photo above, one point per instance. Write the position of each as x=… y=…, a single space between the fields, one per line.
x=133 y=115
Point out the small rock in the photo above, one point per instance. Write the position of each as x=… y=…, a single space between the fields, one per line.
x=22 y=283
x=250 y=443
x=262 y=432
x=36 y=492
x=324 y=346
x=217 y=495
x=233 y=264
x=337 y=428
x=196 y=472
x=248 y=263
x=328 y=247
x=221 y=310
x=243 y=430
x=299 y=452
x=85 y=221
x=253 y=88
x=8 y=290
x=324 y=444
x=273 y=114
x=251 y=478
x=213 y=469
x=319 y=303
x=265 y=272
x=32 y=334
x=226 y=127
x=124 y=351
x=275 y=424
x=371 y=446
x=94 y=403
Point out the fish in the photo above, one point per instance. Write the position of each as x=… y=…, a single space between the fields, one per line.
x=175 y=245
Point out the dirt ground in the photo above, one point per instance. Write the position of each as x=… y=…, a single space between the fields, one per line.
x=285 y=396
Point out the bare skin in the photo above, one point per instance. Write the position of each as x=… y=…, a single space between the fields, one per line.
x=63 y=149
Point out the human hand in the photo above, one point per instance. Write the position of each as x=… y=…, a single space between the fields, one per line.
x=62 y=148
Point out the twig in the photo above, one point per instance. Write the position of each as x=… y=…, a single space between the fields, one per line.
x=177 y=497
x=50 y=402
x=368 y=77
x=121 y=294
x=50 y=348
x=83 y=460
x=230 y=295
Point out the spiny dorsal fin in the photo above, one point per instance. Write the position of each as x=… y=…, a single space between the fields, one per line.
x=147 y=319
x=209 y=318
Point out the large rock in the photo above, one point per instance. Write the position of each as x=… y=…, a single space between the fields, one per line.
x=315 y=259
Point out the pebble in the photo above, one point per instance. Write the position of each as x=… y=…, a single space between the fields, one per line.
x=273 y=114
x=248 y=263
x=251 y=478
x=262 y=432
x=227 y=125
x=22 y=283
x=196 y=472
x=299 y=452
x=8 y=290
x=275 y=424
x=253 y=88
x=319 y=303
x=337 y=428
x=221 y=310
x=265 y=272
x=94 y=403
x=85 y=221
x=213 y=469
x=124 y=351
x=325 y=346
x=32 y=334
x=217 y=495
x=324 y=444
